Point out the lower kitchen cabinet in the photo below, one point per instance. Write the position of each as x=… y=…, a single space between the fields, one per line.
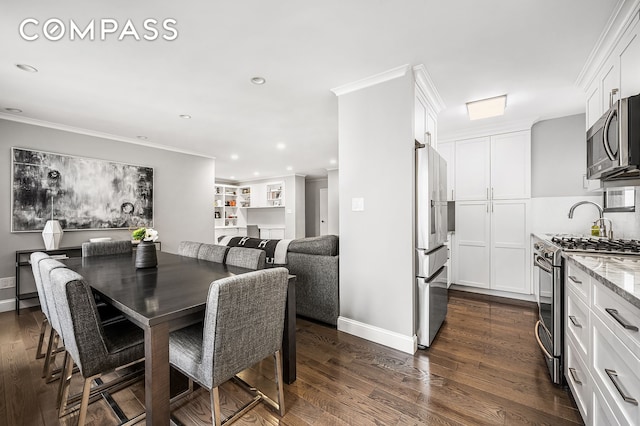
x=492 y=245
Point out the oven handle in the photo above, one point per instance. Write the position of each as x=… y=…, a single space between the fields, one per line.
x=542 y=263
x=605 y=135
x=546 y=352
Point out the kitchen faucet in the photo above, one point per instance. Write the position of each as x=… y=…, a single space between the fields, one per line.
x=601 y=219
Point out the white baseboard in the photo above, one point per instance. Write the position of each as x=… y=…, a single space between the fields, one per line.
x=497 y=293
x=408 y=344
x=7 y=305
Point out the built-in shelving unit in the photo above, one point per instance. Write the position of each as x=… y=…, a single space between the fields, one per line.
x=228 y=205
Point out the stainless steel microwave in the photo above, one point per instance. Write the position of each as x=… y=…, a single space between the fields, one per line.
x=613 y=142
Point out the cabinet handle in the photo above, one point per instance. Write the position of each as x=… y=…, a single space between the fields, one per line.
x=613 y=376
x=575 y=321
x=491 y=207
x=574 y=279
x=612 y=94
x=487 y=207
x=492 y=192
x=621 y=320
x=572 y=371
x=452 y=198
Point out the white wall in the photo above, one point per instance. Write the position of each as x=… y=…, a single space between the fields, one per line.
x=376 y=151
x=183 y=189
x=312 y=205
x=333 y=205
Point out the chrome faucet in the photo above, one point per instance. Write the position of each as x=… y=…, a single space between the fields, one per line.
x=601 y=219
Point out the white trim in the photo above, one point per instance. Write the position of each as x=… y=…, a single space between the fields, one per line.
x=372 y=80
x=477 y=132
x=94 y=133
x=408 y=344
x=7 y=305
x=613 y=31
x=497 y=293
x=425 y=83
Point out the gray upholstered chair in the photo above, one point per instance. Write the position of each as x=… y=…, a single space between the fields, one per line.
x=246 y=257
x=189 y=248
x=104 y=248
x=243 y=324
x=35 y=259
x=213 y=252
x=96 y=348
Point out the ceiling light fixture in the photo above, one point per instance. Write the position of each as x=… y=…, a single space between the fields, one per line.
x=27 y=68
x=141 y=137
x=281 y=145
x=234 y=156
x=289 y=168
x=185 y=116
x=258 y=80
x=333 y=161
x=256 y=173
x=232 y=177
x=485 y=108
x=16 y=110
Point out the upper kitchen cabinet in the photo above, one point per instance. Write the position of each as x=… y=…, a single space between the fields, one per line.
x=473 y=172
x=511 y=166
x=612 y=71
x=425 y=120
x=448 y=151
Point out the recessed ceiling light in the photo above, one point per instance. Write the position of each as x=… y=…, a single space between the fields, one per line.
x=232 y=177
x=141 y=137
x=185 y=116
x=289 y=168
x=258 y=80
x=281 y=145
x=256 y=173
x=485 y=108
x=27 y=68
x=333 y=161
x=234 y=156
x=16 y=110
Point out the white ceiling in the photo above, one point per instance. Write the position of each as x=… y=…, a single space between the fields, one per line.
x=533 y=50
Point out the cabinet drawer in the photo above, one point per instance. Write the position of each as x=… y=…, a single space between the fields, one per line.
x=614 y=312
x=577 y=322
x=579 y=281
x=617 y=372
x=578 y=379
x=601 y=412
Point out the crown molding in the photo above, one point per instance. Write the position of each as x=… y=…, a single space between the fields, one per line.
x=96 y=134
x=372 y=80
x=488 y=130
x=617 y=24
x=425 y=83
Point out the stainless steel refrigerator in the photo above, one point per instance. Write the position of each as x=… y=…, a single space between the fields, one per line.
x=431 y=235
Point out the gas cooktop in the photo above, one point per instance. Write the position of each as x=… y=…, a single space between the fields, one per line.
x=597 y=245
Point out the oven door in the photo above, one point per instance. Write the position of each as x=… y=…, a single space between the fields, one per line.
x=544 y=272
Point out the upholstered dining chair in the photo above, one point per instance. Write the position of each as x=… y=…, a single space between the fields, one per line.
x=189 y=248
x=213 y=252
x=96 y=348
x=103 y=248
x=249 y=258
x=35 y=259
x=243 y=324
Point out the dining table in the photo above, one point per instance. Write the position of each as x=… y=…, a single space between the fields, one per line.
x=164 y=298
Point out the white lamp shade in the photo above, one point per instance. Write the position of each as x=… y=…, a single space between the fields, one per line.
x=52 y=234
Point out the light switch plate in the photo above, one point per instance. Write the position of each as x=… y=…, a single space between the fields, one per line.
x=7 y=282
x=357 y=204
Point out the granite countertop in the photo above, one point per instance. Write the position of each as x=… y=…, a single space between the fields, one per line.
x=621 y=274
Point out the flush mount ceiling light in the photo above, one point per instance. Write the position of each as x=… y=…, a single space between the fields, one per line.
x=258 y=80
x=27 y=68
x=289 y=168
x=16 y=110
x=185 y=116
x=234 y=156
x=485 y=108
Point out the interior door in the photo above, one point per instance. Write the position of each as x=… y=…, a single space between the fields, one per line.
x=324 y=212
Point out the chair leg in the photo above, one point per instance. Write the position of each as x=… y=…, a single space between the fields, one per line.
x=84 y=405
x=51 y=347
x=278 y=363
x=43 y=330
x=215 y=407
x=65 y=381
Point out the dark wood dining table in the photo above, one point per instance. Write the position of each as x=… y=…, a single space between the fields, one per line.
x=165 y=298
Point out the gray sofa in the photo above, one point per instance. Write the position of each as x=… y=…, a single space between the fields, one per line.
x=314 y=261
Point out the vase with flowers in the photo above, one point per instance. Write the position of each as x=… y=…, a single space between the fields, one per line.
x=146 y=249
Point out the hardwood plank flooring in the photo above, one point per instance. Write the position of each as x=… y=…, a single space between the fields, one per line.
x=484 y=368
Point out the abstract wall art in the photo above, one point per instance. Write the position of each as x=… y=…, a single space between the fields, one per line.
x=81 y=193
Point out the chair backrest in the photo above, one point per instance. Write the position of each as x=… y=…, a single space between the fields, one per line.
x=103 y=248
x=35 y=259
x=253 y=231
x=212 y=252
x=244 y=321
x=189 y=248
x=79 y=319
x=46 y=266
x=246 y=257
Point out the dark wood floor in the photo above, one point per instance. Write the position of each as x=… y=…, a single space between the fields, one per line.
x=483 y=368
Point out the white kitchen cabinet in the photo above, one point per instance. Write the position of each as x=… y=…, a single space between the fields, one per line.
x=425 y=122
x=594 y=104
x=629 y=57
x=510 y=246
x=511 y=166
x=448 y=151
x=473 y=244
x=473 y=169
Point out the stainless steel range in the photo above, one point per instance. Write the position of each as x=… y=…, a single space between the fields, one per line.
x=548 y=277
